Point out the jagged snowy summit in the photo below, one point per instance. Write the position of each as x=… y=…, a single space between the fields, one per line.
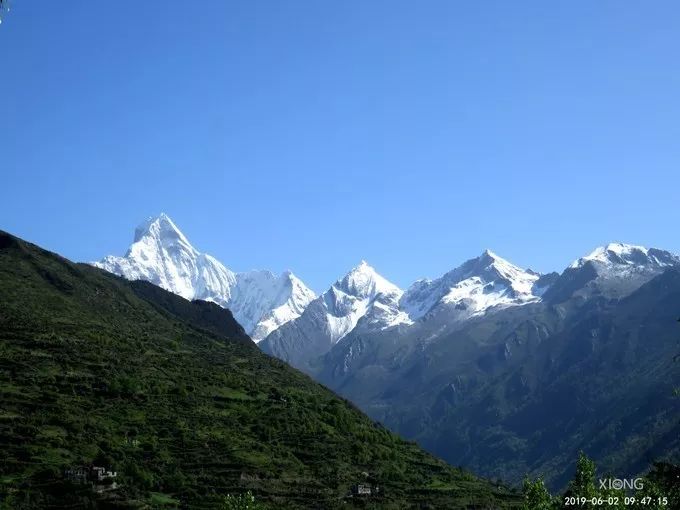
x=489 y=281
x=360 y=301
x=362 y=294
x=621 y=254
x=617 y=269
x=162 y=255
x=477 y=285
x=260 y=300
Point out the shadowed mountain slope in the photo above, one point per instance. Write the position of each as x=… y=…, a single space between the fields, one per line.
x=522 y=390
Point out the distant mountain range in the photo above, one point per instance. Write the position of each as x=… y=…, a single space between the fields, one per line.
x=491 y=366
x=482 y=285
x=364 y=302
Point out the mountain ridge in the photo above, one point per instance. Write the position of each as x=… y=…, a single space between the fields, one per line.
x=478 y=286
x=262 y=302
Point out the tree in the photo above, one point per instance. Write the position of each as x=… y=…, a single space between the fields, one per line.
x=583 y=484
x=662 y=482
x=536 y=496
x=241 y=502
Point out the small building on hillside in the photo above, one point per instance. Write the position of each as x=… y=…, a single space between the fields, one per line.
x=100 y=477
x=99 y=474
x=361 y=489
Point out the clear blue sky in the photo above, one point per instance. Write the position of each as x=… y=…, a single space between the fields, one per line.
x=311 y=134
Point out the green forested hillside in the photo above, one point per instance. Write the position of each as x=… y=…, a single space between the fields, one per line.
x=173 y=396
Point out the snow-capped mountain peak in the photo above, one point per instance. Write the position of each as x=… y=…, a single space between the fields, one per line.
x=362 y=300
x=362 y=294
x=520 y=280
x=478 y=284
x=161 y=254
x=364 y=281
x=265 y=301
x=621 y=254
x=613 y=271
x=161 y=227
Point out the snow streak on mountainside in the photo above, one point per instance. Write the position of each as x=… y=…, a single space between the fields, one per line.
x=259 y=300
x=360 y=301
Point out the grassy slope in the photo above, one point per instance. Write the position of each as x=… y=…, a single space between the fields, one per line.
x=176 y=398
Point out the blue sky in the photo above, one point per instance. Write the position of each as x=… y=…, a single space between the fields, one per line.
x=312 y=134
